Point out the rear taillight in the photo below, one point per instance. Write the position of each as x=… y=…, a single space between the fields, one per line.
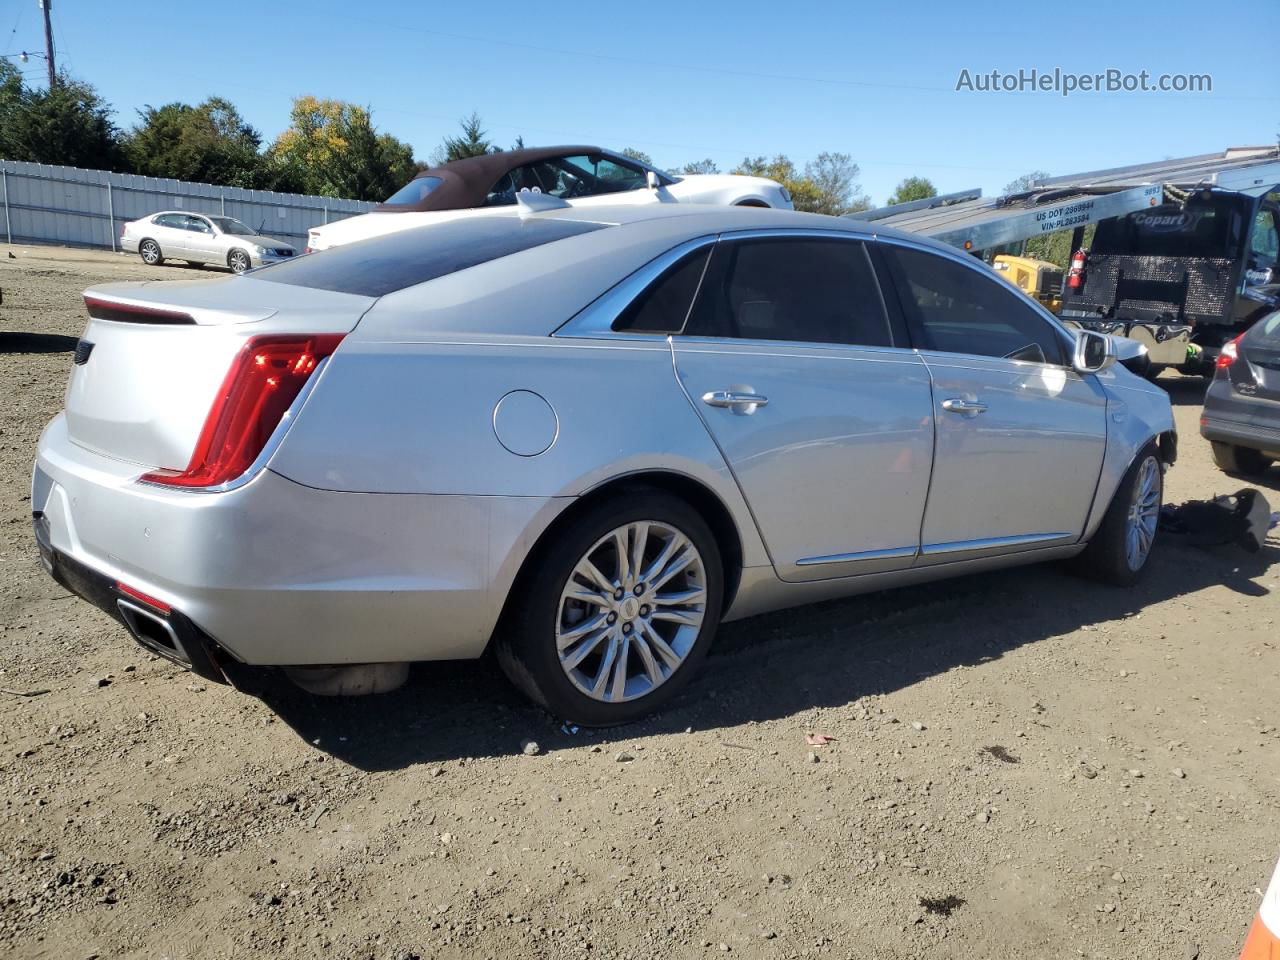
x=1075 y=276
x=265 y=378
x=1230 y=353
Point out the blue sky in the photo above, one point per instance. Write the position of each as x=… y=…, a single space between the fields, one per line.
x=711 y=79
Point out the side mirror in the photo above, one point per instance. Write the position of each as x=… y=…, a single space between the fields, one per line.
x=1094 y=352
x=651 y=180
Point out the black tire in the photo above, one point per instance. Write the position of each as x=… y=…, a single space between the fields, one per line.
x=1107 y=558
x=1241 y=461
x=239 y=261
x=526 y=646
x=150 y=253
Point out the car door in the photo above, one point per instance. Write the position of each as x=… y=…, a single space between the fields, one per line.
x=201 y=239
x=171 y=234
x=823 y=415
x=1020 y=435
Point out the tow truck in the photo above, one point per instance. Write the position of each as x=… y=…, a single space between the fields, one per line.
x=1185 y=254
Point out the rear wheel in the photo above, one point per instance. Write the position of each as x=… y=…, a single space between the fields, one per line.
x=238 y=261
x=1119 y=551
x=149 y=250
x=616 y=613
x=1244 y=461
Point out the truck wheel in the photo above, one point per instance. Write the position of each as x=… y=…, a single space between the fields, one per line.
x=1244 y=461
x=1121 y=548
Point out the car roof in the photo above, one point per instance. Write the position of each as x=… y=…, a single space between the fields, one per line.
x=536 y=290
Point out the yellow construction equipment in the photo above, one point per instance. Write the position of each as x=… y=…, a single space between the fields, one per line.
x=1035 y=278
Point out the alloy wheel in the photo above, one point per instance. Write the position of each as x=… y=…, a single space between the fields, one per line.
x=239 y=262
x=1144 y=514
x=150 y=253
x=631 y=611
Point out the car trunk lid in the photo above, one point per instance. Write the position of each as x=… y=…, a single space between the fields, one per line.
x=154 y=355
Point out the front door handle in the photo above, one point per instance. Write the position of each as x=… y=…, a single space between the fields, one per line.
x=738 y=402
x=969 y=408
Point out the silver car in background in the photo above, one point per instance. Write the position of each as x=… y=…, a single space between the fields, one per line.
x=586 y=437
x=200 y=238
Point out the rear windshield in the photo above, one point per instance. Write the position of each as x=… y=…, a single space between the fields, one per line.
x=1214 y=229
x=382 y=265
x=415 y=191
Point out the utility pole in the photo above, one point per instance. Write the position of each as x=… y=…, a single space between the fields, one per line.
x=48 y=42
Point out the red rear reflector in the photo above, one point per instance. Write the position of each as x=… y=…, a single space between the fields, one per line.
x=141 y=597
x=132 y=313
x=265 y=378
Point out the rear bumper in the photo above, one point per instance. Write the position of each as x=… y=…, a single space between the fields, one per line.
x=276 y=573
x=1253 y=436
x=169 y=633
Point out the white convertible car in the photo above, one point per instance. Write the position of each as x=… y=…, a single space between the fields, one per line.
x=584 y=176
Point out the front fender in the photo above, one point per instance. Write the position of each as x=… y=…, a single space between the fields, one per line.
x=1137 y=414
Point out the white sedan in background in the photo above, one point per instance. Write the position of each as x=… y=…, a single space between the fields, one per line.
x=583 y=176
x=199 y=239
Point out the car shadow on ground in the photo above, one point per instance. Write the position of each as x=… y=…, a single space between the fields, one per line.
x=1184 y=391
x=764 y=668
x=35 y=343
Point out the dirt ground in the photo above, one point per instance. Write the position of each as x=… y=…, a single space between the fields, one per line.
x=1025 y=765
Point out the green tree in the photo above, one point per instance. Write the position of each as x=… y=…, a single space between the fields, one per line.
x=639 y=155
x=210 y=143
x=912 y=188
x=827 y=185
x=472 y=143
x=1023 y=183
x=700 y=166
x=332 y=149
x=835 y=177
x=67 y=124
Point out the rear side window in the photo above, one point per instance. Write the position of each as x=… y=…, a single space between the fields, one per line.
x=791 y=288
x=953 y=308
x=415 y=191
x=664 y=305
x=382 y=265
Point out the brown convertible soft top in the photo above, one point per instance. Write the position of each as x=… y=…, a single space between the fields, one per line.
x=465 y=183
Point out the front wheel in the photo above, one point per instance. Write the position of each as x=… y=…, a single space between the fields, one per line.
x=238 y=261
x=149 y=250
x=615 y=615
x=1120 y=550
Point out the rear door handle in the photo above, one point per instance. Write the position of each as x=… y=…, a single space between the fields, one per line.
x=969 y=408
x=736 y=401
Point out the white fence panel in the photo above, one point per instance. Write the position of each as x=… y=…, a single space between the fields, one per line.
x=87 y=208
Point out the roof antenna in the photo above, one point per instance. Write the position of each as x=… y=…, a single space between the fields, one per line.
x=531 y=203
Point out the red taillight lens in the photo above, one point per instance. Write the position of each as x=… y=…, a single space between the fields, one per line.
x=265 y=378
x=1230 y=352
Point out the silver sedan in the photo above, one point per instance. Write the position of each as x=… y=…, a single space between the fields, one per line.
x=585 y=438
x=199 y=239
